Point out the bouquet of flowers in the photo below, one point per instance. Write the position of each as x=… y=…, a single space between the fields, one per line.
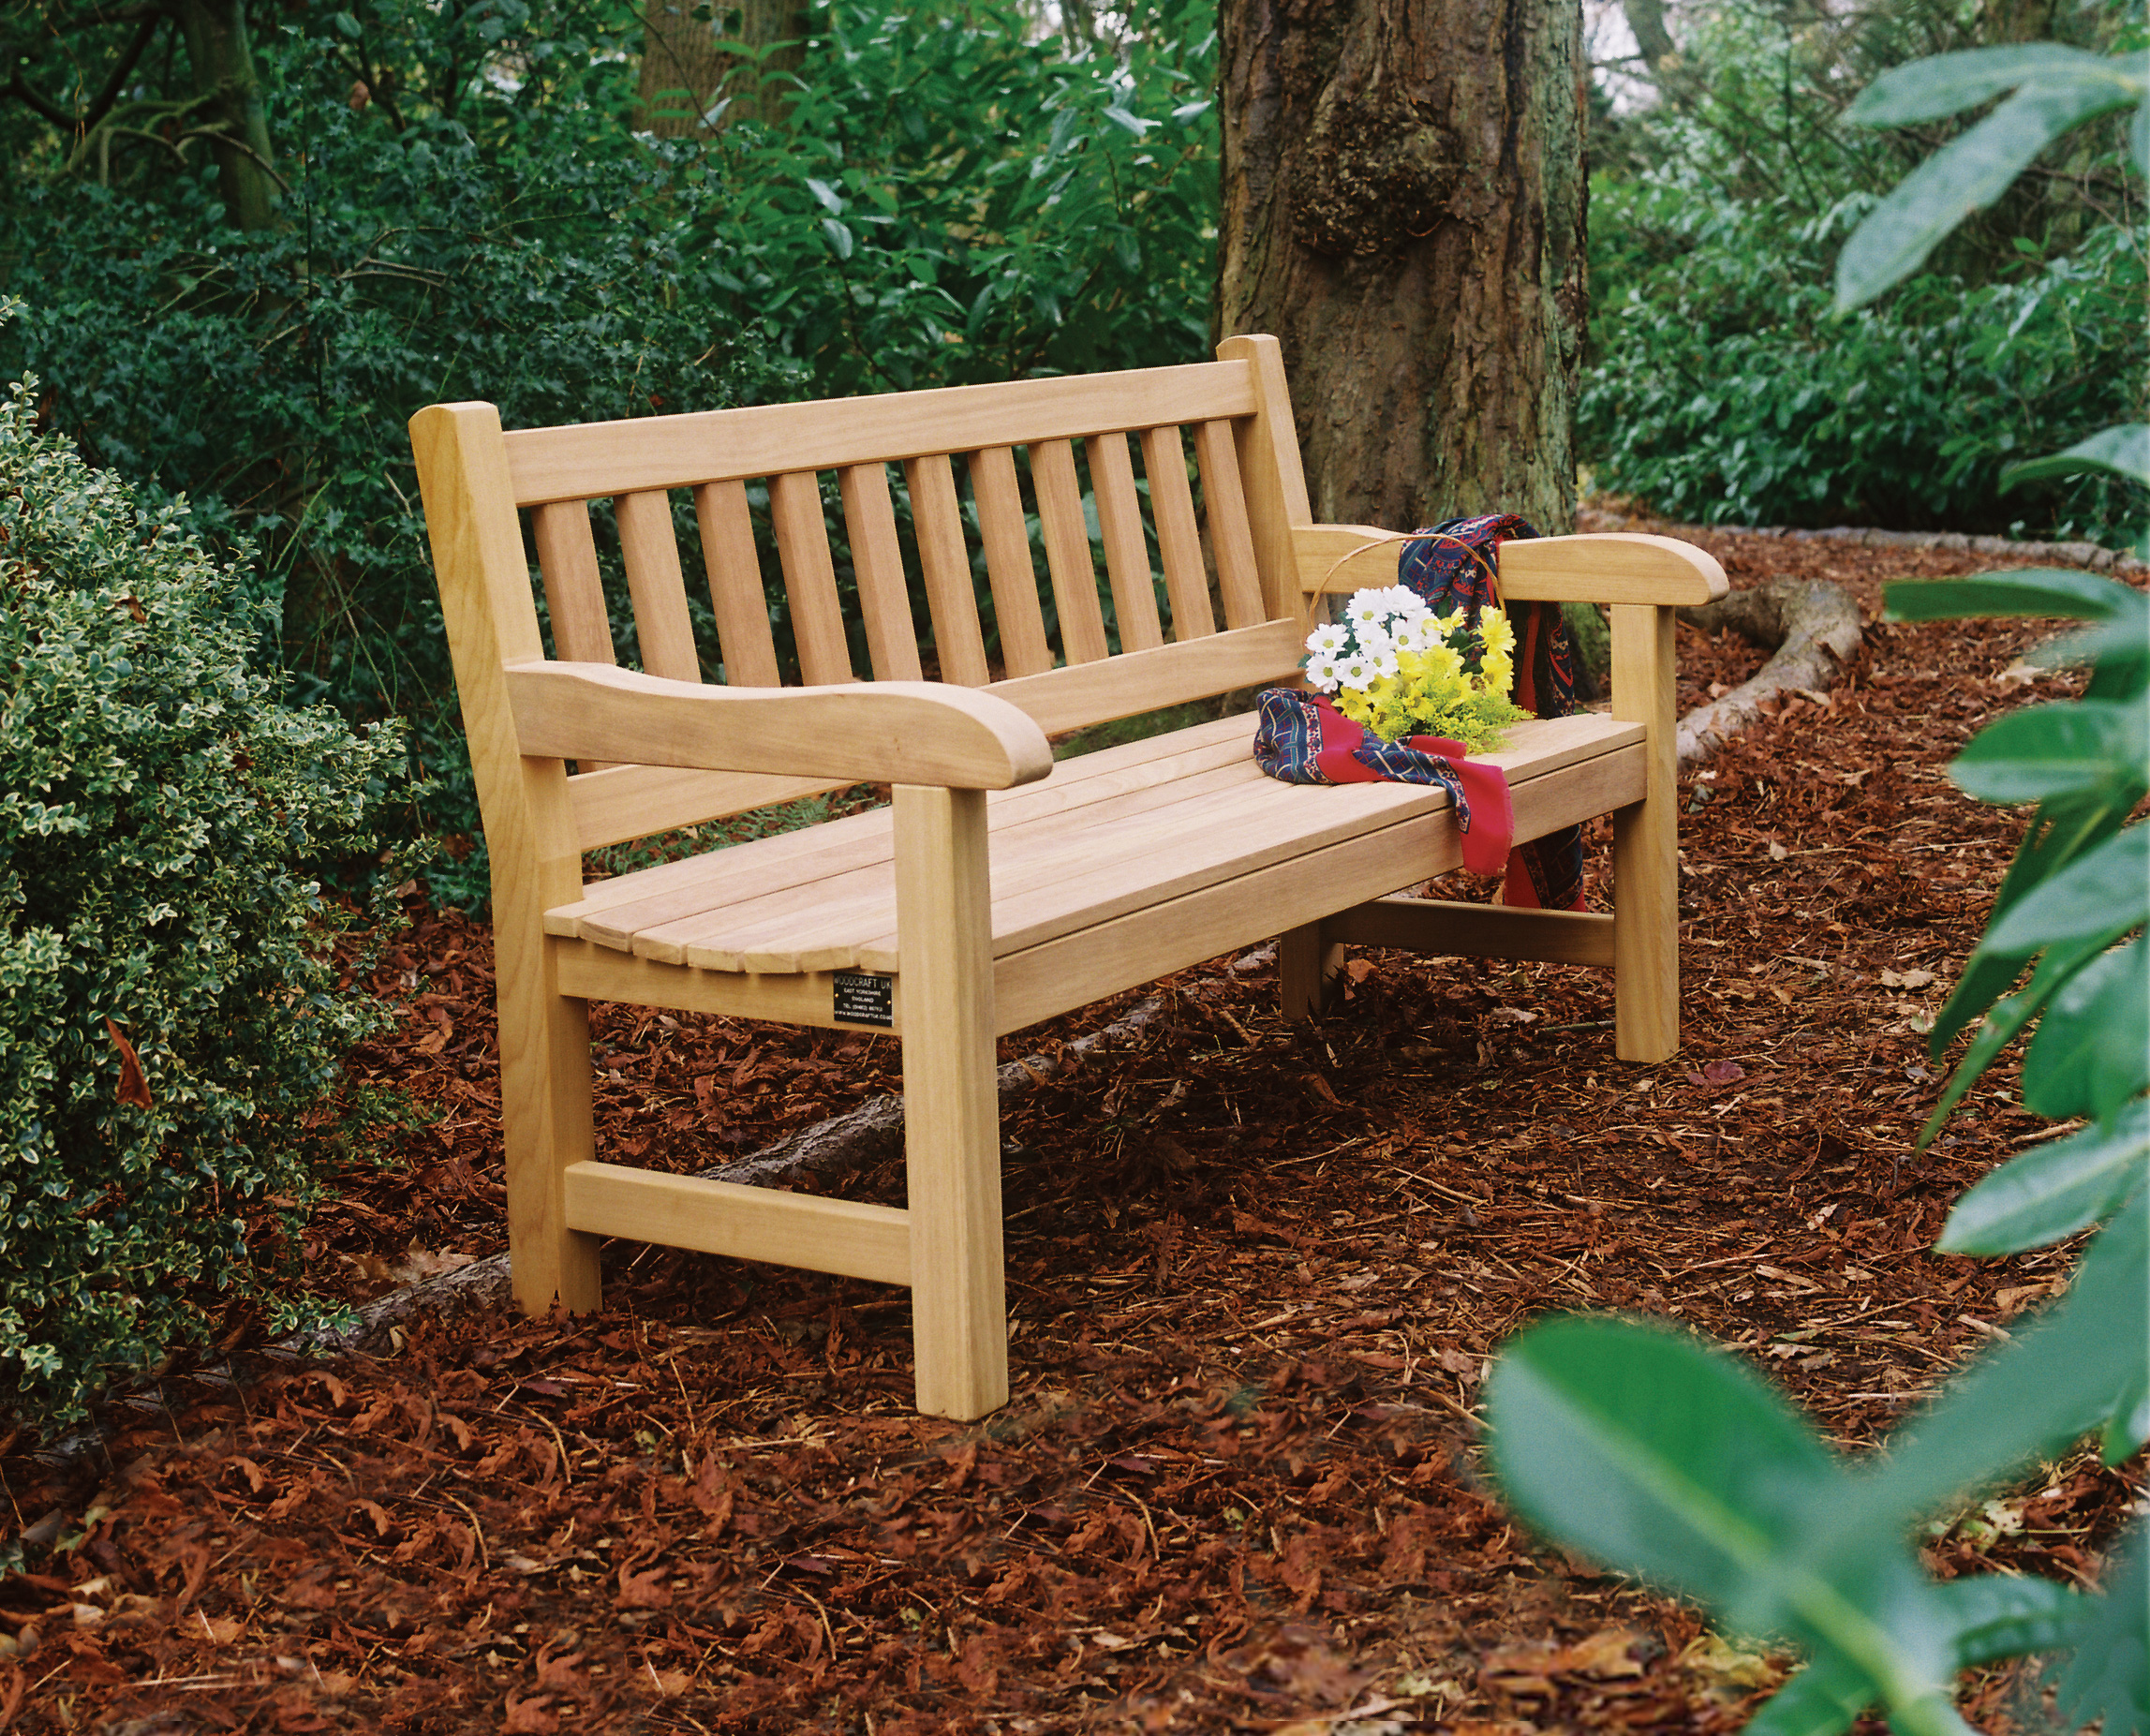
x=1399 y=669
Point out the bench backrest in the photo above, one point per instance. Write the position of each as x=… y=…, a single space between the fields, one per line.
x=1233 y=560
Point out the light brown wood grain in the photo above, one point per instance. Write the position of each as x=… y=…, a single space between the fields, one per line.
x=1136 y=681
x=950 y=594
x=735 y=588
x=741 y=1223
x=492 y=619
x=650 y=550
x=1612 y=567
x=574 y=592
x=1646 y=842
x=1126 y=550
x=1024 y=650
x=1231 y=543
x=1089 y=964
x=810 y=578
x=1271 y=481
x=598 y=973
x=637 y=801
x=874 y=731
x=1066 y=535
x=1445 y=927
x=877 y=561
x=1179 y=538
x=952 y=1108
x=1308 y=965
x=678 y=452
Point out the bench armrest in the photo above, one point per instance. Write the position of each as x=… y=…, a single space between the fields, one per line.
x=868 y=732
x=1606 y=567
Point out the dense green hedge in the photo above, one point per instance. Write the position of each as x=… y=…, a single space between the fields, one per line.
x=169 y=1009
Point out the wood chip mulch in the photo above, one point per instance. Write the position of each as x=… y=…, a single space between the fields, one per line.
x=1256 y=1273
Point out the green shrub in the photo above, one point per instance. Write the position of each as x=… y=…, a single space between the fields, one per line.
x=161 y=811
x=1722 y=388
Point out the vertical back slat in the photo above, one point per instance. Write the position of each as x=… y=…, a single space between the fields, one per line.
x=743 y=637
x=1178 y=540
x=938 y=518
x=651 y=552
x=1014 y=581
x=877 y=560
x=1067 y=551
x=574 y=594
x=1126 y=550
x=810 y=578
x=1230 y=539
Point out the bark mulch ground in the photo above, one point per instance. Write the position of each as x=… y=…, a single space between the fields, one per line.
x=1256 y=1273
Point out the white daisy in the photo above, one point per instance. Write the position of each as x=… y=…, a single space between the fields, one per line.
x=1330 y=641
x=1321 y=673
x=1385 y=665
x=1354 y=671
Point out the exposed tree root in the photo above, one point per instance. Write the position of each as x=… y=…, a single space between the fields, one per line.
x=1815 y=628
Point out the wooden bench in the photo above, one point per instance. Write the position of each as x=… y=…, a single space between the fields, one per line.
x=998 y=888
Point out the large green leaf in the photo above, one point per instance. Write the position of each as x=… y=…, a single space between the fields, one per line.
x=2029 y=590
x=2109 y=1677
x=2072 y=748
x=2092 y=1051
x=1670 y=1460
x=2097 y=898
x=1925 y=90
x=1996 y=1615
x=1823 y=1699
x=2060 y=1378
x=2052 y=1191
x=2123 y=451
x=2007 y=1020
x=1964 y=176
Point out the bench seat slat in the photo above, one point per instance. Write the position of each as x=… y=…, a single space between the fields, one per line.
x=830 y=902
x=782 y=929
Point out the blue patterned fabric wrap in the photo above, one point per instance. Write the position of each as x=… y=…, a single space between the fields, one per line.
x=1290 y=745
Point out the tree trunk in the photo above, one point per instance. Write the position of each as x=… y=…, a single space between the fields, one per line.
x=679 y=53
x=1404 y=207
x=222 y=55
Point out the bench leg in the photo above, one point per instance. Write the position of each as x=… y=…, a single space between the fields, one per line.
x=1307 y=969
x=1646 y=844
x=545 y=1120
x=951 y=1102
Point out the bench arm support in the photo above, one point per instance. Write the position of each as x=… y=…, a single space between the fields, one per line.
x=1613 y=567
x=868 y=732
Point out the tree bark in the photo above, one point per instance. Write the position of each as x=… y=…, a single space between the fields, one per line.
x=1403 y=204
x=222 y=55
x=679 y=53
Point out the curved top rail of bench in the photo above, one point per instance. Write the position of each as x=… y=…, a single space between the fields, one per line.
x=581 y=462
